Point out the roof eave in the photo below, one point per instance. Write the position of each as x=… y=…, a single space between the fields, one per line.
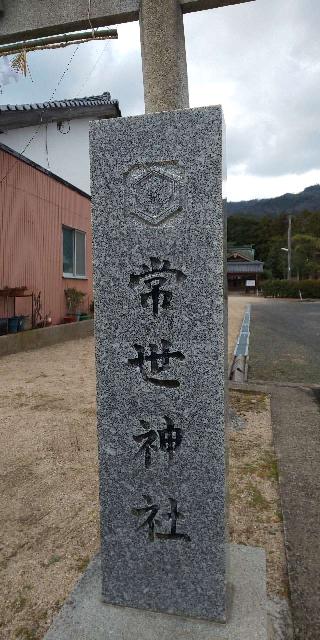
x=240 y=255
x=19 y=119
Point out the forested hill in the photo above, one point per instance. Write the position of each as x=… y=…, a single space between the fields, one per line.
x=307 y=200
x=269 y=234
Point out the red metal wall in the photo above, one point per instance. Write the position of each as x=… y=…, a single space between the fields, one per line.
x=33 y=208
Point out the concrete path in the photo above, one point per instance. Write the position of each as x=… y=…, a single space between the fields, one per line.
x=285 y=341
x=296 y=426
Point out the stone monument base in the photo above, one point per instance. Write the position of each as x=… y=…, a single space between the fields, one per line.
x=85 y=617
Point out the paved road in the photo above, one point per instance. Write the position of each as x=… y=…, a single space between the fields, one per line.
x=285 y=341
x=285 y=347
x=296 y=431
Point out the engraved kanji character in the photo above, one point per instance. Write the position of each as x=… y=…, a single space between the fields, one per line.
x=152 y=521
x=159 y=363
x=149 y=440
x=167 y=439
x=170 y=437
x=173 y=516
x=154 y=278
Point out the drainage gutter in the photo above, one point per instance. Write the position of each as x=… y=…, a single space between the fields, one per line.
x=240 y=363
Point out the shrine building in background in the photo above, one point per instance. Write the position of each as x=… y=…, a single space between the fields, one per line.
x=243 y=270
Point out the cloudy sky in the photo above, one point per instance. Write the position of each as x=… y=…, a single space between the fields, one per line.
x=260 y=60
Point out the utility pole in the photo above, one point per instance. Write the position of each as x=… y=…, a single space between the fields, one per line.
x=289 y=246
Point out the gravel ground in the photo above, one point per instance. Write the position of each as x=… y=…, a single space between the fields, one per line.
x=49 y=488
x=49 y=483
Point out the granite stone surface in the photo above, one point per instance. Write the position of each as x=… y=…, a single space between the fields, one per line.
x=164 y=63
x=24 y=17
x=160 y=325
x=85 y=617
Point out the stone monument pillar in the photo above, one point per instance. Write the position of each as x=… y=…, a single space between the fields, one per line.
x=160 y=323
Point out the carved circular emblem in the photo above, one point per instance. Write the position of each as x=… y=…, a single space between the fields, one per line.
x=154 y=193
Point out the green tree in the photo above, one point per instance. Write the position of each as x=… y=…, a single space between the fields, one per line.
x=277 y=260
x=305 y=255
x=267 y=234
x=243 y=230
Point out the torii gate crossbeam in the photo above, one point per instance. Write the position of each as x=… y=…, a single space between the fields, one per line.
x=162 y=35
x=20 y=19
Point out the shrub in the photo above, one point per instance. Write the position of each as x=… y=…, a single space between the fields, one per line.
x=74 y=299
x=291 y=288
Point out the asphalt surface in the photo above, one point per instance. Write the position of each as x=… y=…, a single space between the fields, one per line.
x=285 y=341
x=296 y=431
x=285 y=350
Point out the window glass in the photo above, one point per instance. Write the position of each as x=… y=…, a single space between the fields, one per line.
x=80 y=253
x=68 y=251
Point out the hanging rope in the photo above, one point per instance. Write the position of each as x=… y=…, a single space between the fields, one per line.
x=89 y=18
x=21 y=49
x=19 y=63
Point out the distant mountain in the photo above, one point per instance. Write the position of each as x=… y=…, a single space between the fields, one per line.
x=309 y=200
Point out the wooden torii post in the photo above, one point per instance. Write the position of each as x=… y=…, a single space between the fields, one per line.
x=162 y=35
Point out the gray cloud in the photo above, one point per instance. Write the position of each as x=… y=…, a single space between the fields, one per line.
x=269 y=53
x=261 y=60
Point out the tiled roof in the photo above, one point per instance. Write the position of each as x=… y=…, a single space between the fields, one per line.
x=72 y=103
x=245 y=251
x=23 y=115
x=254 y=266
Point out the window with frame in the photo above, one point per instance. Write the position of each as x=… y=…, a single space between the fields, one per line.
x=74 y=253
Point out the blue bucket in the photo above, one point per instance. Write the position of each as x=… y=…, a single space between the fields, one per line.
x=13 y=324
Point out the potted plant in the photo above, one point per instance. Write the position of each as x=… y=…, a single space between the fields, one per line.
x=84 y=316
x=74 y=300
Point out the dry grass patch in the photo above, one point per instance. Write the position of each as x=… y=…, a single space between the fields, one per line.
x=49 y=483
x=255 y=510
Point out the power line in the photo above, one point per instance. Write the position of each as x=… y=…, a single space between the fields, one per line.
x=94 y=34
x=93 y=68
x=64 y=73
x=39 y=127
x=56 y=88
